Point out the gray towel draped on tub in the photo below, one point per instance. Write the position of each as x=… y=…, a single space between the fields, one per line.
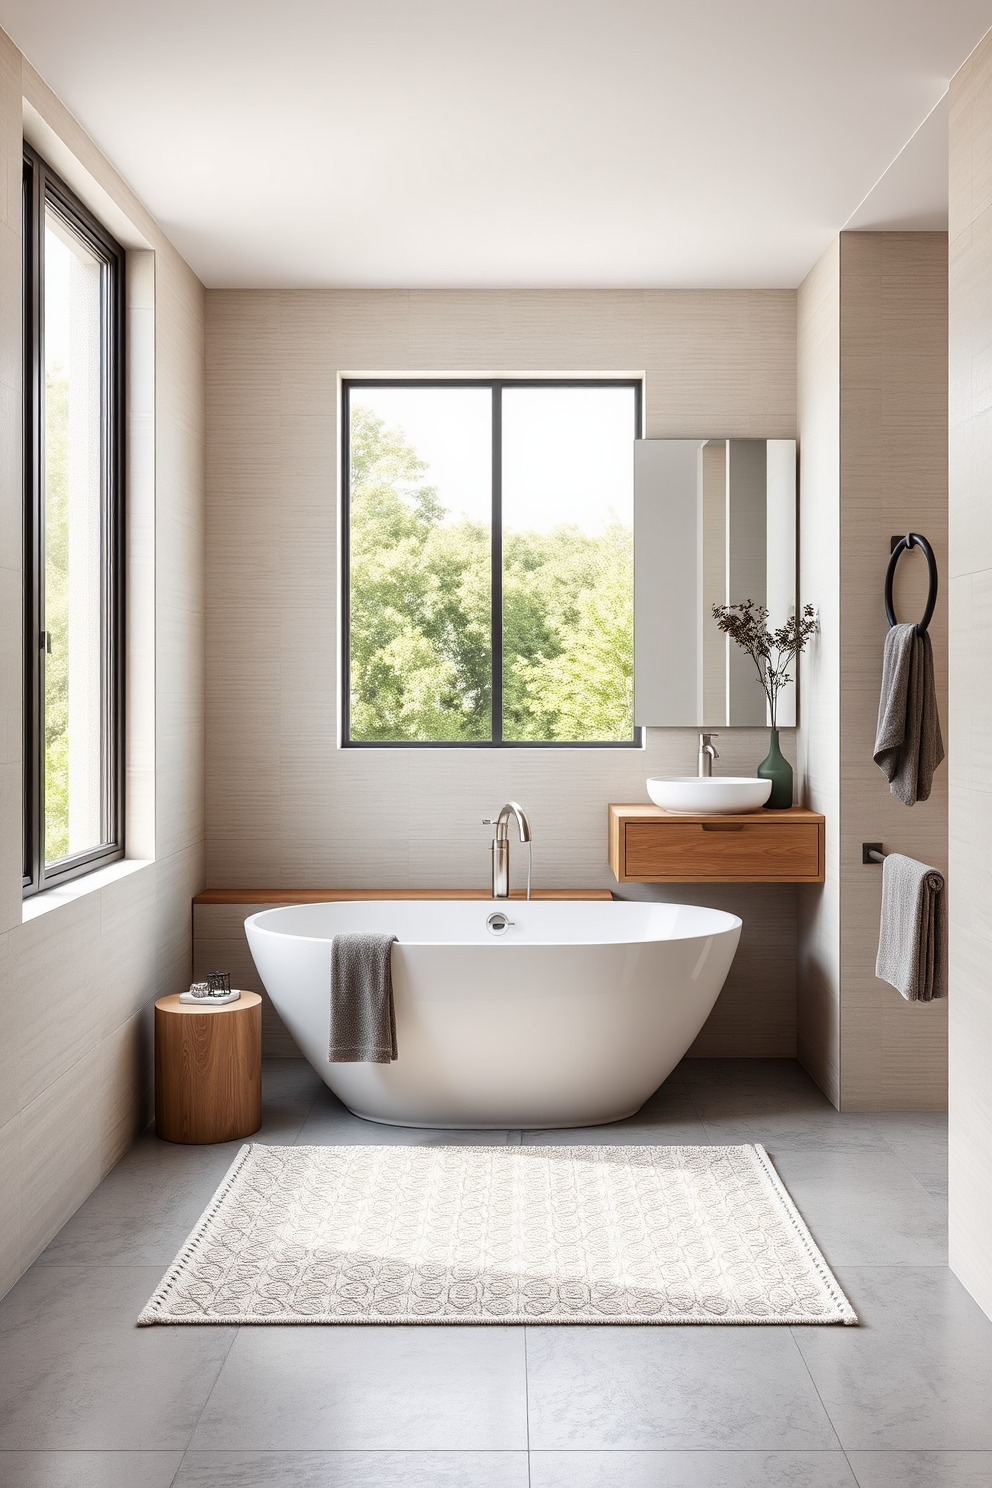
x=908 y=745
x=912 y=938
x=363 y=1023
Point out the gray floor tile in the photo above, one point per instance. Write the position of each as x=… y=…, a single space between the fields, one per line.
x=373 y=1388
x=88 y=1469
x=650 y=1388
x=691 y=1470
x=633 y=1132
x=667 y=1118
x=922 y=1469
x=289 y=1079
x=919 y=1138
x=333 y=1124
x=75 y=1373
x=767 y=1075
x=600 y=1136
x=796 y=1130
x=144 y=1221
x=353 y=1470
x=865 y=1208
x=144 y=1209
x=917 y=1374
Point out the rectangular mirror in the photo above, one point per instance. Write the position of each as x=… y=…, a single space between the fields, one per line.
x=714 y=523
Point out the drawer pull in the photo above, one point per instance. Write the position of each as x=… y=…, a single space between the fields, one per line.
x=722 y=826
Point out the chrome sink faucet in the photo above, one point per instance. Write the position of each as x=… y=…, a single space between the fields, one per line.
x=707 y=754
x=501 y=847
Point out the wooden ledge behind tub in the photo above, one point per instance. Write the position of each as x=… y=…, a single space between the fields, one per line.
x=219 y=942
x=347 y=896
x=650 y=845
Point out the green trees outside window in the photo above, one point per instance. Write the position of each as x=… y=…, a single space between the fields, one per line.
x=421 y=653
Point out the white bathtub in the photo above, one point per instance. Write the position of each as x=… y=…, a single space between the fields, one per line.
x=571 y=1018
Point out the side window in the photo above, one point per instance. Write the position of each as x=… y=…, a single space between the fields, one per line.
x=73 y=467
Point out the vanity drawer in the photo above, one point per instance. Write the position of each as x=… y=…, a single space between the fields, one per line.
x=786 y=848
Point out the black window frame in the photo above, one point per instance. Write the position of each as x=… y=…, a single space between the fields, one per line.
x=496 y=384
x=41 y=186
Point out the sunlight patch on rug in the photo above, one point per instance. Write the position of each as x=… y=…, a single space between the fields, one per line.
x=510 y=1235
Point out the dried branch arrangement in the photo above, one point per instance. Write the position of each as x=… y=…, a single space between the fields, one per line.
x=772 y=651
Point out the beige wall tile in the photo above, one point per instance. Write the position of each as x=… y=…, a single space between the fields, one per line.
x=10 y=1209
x=75 y=1131
x=219 y=944
x=76 y=983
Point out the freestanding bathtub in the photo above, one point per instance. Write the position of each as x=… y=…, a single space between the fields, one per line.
x=571 y=1017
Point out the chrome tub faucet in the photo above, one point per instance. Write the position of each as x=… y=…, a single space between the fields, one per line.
x=707 y=754
x=501 y=847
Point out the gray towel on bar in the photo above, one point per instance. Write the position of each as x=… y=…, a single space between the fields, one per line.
x=908 y=745
x=912 y=938
x=363 y=1023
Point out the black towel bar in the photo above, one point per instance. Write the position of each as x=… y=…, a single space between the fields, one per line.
x=872 y=852
x=900 y=545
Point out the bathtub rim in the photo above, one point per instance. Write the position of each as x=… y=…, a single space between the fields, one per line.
x=727 y=921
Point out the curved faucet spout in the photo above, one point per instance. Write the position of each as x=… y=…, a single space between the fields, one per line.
x=502 y=822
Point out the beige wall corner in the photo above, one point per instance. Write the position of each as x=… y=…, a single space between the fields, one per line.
x=970 y=573
x=893 y=480
x=818 y=906
x=873 y=431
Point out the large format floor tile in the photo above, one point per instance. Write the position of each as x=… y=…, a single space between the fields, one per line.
x=369 y=1388
x=920 y=1140
x=917 y=1373
x=649 y=1388
x=353 y=1470
x=89 y=1469
x=922 y=1469
x=76 y=1373
x=727 y=1469
x=865 y=1208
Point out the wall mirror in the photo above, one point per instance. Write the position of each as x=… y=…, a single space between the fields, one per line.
x=714 y=523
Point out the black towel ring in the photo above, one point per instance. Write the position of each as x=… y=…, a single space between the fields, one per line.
x=911 y=540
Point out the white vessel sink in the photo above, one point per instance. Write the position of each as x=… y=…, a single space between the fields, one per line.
x=693 y=795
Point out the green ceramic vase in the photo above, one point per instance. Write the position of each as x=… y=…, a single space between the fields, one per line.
x=776 y=768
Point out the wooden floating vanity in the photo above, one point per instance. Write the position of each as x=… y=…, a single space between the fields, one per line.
x=650 y=845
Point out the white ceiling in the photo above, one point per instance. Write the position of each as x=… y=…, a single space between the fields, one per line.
x=449 y=143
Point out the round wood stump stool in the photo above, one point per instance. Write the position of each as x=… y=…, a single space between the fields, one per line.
x=208 y=1069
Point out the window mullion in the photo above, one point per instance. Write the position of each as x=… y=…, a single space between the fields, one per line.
x=497 y=567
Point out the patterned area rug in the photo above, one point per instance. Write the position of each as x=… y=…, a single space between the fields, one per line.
x=432 y=1234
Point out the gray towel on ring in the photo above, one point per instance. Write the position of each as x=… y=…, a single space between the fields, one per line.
x=908 y=745
x=363 y=1022
x=912 y=937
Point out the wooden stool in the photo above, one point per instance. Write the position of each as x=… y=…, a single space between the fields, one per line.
x=208 y=1069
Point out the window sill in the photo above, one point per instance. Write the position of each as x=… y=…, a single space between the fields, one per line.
x=77 y=888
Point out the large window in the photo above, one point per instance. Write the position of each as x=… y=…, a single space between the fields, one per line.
x=488 y=562
x=73 y=278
